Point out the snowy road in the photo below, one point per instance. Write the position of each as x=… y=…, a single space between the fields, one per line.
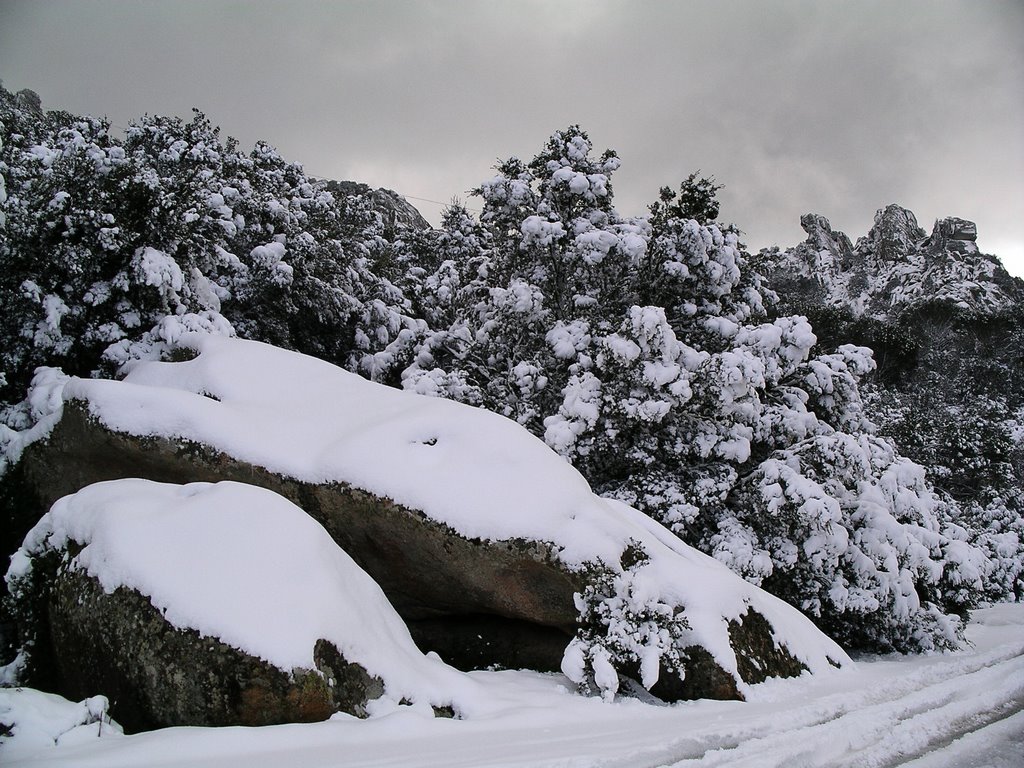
x=953 y=711
x=964 y=710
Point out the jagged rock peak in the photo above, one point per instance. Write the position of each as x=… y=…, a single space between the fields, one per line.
x=953 y=235
x=816 y=226
x=954 y=228
x=892 y=268
x=894 y=235
x=821 y=236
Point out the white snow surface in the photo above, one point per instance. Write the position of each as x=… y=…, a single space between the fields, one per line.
x=243 y=565
x=479 y=473
x=951 y=710
x=41 y=721
x=313 y=421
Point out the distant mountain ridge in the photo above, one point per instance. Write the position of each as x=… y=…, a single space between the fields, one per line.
x=897 y=265
x=946 y=326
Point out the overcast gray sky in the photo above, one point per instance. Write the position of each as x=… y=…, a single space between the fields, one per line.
x=833 y=107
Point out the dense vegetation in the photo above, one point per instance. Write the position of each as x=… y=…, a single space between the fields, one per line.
x=945 y=323
x=645 y=350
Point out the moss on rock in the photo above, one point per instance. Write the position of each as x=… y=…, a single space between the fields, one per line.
x=158 y=675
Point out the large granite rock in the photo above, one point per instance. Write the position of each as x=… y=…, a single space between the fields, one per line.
x=476 y=603
x=209 y=604
x=483 y=539
x=426 y=569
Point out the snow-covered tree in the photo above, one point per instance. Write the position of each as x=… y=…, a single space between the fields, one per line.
x=623 y=625
x=111 y=248
x=640 y=350
x=105 y=239
x=944 y=321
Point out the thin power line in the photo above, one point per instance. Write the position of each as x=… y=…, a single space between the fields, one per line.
x=435 y=202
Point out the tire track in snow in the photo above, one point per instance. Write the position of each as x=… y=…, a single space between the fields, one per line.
x=1007 y=715
x=940 y=714
x=997 y=745
x=871 y=726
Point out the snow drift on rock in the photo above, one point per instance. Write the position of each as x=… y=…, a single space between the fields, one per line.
x=245 y=566
x=477 y=472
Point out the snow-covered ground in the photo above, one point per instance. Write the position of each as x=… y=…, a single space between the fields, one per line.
x=955 y=709
x=963 y=709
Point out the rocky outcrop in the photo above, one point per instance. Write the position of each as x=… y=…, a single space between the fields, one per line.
x=395 y=211
x=954 y=228
x=798 y=273
x=832 y=248
x=896 y=266
x=953 y=235
x=892 y=238
x=157 y=675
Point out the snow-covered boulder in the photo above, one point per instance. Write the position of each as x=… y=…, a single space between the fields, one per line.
x=211 y=604
x=459 y=514
x=475 y=601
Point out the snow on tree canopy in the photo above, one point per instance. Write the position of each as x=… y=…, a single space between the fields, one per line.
x=658 y=367
x=104 y=236
x=479 y=473
x=272 y=581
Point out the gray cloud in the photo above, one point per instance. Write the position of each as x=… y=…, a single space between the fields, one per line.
x=839 y=108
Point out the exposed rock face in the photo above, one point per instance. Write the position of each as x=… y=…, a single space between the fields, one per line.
x=396 y=212
x=760 y=658
x=29 y=99
x=824 y=252
x=893 y=237
x=953 y=235
x=821 y=237
x=478 y=603
x=894 y=267
x=957 y=229
x=156 y=675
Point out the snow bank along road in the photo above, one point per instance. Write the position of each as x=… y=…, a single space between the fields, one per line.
x=963 y=709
